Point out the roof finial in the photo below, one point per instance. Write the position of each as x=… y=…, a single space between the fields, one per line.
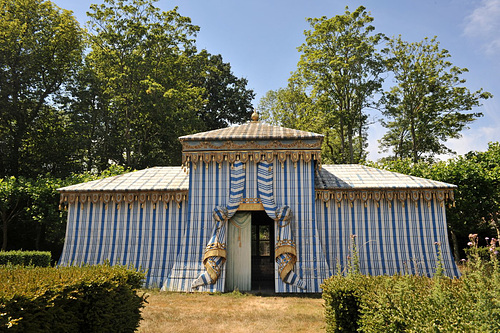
x=255 y=116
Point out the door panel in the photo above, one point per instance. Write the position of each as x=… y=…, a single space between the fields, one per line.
x=238 y=264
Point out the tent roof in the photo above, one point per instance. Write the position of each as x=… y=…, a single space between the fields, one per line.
x=253 y=130
x=329 y=177
x=355 y=176
x=152 y=179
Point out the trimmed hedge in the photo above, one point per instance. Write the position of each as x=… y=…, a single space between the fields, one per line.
x=70 y=299
x=25 y=258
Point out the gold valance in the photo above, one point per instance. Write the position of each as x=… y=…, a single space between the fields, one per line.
x=256 y=156
x=338 y=195
x=124 y=197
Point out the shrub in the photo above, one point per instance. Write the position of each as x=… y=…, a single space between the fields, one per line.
x=25 y=258
x=77 y=299
x=408 y=303
x=342 y=303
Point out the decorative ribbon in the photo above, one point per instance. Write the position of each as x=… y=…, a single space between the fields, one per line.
x=285 y=251
x=215 y=252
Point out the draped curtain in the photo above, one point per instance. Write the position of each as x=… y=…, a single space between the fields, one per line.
x=215 y=254
x=285 y=249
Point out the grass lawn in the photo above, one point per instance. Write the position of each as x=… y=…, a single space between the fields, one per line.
x=232 y=312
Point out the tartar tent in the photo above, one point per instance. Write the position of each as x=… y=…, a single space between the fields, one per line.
x=173 y=222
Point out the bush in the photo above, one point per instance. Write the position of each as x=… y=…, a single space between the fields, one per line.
x=342 y=303
x=77 y=299
x=25 y=258
x=408 y=303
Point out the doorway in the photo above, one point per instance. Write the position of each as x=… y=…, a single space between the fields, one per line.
x=262 y=251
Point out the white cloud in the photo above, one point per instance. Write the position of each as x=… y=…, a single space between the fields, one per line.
x=484 y=25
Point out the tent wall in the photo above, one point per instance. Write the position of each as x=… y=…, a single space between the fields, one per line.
x=391 y=236
x=143 y=235
x=209 y=187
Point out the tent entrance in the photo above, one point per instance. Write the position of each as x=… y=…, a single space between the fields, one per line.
x=262 y=251
x=250 y=252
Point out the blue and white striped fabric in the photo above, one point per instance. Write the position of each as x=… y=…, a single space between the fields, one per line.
x=209 y=187
x=215 y=251
x=392 y=237
x=285 y=252
x=145 y=236
x=294 y=186
x=237 y=188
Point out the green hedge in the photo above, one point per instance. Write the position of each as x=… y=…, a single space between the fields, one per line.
x=70 y=299
x=25 y=258
x=407 y=303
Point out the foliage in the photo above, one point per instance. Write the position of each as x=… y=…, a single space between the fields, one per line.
x=409 y=303
x=12 y=202
x=29 y=208
x=342 y=302
x=40 y=48
x=144 y=84
x=429 y=104
x=342 y=294
x=340 y=72
x=80 y=299
x=336 y=78
x=25 y=258
x=228 y=101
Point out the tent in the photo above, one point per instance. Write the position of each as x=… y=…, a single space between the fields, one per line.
x=253 y=208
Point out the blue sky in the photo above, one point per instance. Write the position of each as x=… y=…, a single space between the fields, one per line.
x=259 y=38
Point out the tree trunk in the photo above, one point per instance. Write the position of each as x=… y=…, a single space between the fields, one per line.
x=413 y=141
x=351 y=147
x=4 y=233
x=342 y=141
x=456 y=250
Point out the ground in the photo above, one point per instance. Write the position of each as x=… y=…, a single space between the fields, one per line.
x=232 y=312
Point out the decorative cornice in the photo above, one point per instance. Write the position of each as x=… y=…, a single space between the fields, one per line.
x=255 y=156
x=124 y=197
x=402 y=195
x=236 y=145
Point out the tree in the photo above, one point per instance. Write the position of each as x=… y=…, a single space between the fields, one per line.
x=145 y=84
x=489 y=163
x=40 y=49
x=140 y=58
x=12 y=204
x=340 y=69
x=228 y=101
x=292 y=107
x=429 y=104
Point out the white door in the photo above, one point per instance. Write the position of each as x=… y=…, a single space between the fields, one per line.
x=239 y=256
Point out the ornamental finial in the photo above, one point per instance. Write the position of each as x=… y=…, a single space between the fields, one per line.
x=255 y=116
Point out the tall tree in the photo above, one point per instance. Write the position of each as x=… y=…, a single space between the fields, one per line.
x=145 y=84
x=341 y=69
x=228 y=101
x=429 y=104
x=140 y=57
x=40 y=49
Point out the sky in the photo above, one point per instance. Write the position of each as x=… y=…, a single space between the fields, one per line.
x=259 y=38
